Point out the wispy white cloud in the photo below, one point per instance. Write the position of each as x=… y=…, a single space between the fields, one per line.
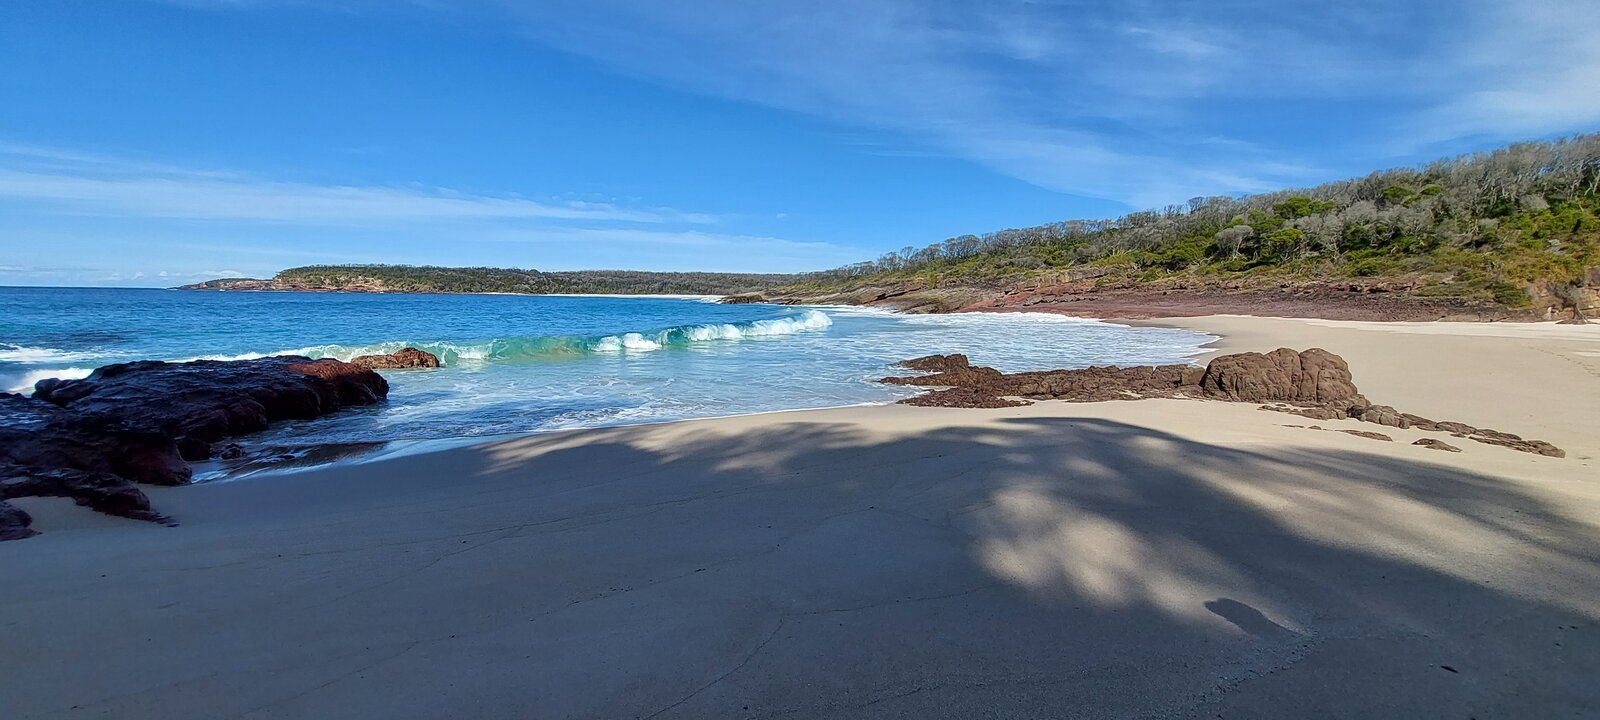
x=1108 y=99
x=95 y=185
x=1520 y=69
x=204 y=218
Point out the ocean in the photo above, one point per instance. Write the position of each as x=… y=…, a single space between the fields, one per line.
x=535 y=363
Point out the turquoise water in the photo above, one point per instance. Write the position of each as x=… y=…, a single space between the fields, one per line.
x=529 y=363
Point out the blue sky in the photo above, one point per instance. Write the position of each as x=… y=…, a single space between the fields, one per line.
x=155 y=143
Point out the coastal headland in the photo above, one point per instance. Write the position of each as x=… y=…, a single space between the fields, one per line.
x=1159 y=557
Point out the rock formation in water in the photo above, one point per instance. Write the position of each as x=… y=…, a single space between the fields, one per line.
x=1312 y=383
x=404 y=358
x=199 y=403
x=92 y=439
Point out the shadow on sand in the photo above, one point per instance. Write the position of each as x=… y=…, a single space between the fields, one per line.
x=1027 y=568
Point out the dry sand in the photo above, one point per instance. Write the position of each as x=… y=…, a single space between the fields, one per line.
x=1141 y=559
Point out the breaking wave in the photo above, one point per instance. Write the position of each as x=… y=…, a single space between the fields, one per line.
x=533 y=348
x=22 y=382
x=32 y=355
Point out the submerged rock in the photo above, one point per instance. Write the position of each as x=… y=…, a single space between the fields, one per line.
x=404 y=358
x=936 y=363
x=947 y=371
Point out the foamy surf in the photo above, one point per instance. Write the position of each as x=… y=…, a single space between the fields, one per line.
x=549 y=346
x=25 y=355
x=22 y=383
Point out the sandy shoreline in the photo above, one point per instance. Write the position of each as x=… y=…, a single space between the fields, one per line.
x=1135 y=559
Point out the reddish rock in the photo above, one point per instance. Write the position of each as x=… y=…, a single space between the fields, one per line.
x=1312 y=383
x=1086 y=385
x=404 y=358
x=1381 y=415
x=946 y=371
x=1283 y=375
x=1098 y=384
x=962 y=397
x=1368 y=435
x=1435 y=444
x=1537 y=447
x=937 y=363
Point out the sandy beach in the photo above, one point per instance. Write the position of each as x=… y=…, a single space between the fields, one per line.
x=1158 y=558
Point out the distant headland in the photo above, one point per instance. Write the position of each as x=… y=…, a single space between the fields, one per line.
x=432 y=279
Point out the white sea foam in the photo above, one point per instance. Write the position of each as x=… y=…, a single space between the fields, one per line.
x=37 y=355
x=809 y=320
x=23 y=382
x=629 y=342
x=240 y=356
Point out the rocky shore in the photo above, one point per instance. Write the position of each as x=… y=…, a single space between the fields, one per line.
x=135 y=423
x=1383 y=300
x=1311 y=383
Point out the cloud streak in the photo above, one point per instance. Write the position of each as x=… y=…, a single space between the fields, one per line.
x=87 y=184
x=59 y=198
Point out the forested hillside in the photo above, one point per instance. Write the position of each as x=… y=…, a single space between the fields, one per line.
x=413 y=278
x=1507 y=226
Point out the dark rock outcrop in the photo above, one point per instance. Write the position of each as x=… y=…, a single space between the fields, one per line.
x=963 y=397
x=743 y=299
x=15 y=522
x=951 y=371
x=92 y=439
x=102 y=491
x=1087 y=385
x=402 y=359
x=38 y=435
x=1505 y=439
x=1368 y=434
x=201 y=402
x=1436 y=444
x=936 y=363
x=1312 y=383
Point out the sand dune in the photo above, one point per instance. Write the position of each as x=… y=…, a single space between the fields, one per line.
x=1157 y=558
